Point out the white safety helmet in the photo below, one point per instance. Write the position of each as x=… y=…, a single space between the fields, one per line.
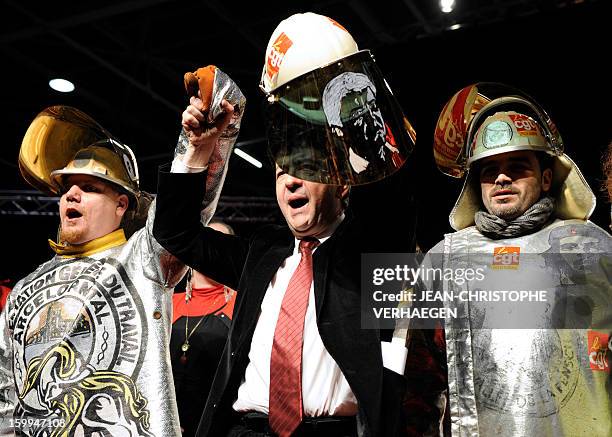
x=485 y=119
x=331 y=116
x=300 y=44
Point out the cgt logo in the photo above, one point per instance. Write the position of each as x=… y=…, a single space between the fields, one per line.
x=277 y=53
x=506 y=257
x=524 y=125
x=599 y=345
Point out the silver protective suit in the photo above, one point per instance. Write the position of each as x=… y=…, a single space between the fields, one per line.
x=84 y=344
x=84 y=341
x=528 y=382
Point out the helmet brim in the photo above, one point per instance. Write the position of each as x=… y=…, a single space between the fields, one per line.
x=58 y=175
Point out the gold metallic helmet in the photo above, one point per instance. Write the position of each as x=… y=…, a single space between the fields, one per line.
x=487 y=119
x=101 y=160
x=62 y=140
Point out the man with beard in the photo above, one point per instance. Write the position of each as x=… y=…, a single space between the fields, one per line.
x=522 y=195
x=84 y=337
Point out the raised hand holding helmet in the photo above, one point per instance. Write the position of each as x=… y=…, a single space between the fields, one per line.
x=212 y=108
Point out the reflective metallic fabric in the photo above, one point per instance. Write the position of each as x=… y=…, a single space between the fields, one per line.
x=224 y=88
x=531 y=382
x=84 y=341
x=85 y=344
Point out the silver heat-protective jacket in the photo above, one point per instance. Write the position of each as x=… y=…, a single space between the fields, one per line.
x=536 y=381
x=84 y=344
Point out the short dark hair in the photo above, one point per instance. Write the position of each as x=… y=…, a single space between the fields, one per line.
x=132 y=199
x=545 y=160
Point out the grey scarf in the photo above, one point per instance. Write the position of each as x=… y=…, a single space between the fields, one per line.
x=532 y=219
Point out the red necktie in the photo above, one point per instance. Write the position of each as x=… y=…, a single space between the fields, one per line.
x=286 y=360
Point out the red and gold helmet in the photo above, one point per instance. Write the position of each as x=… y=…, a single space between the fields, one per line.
x=486 y=119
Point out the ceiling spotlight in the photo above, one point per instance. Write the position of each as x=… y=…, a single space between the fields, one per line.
x=455 y=26
x=61 y=85
x=447 y=5
x=244 y=155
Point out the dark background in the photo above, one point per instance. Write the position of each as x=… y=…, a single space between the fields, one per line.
x=127 y=60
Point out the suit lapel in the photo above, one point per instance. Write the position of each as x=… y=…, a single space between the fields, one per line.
x=258 y=281
x=363 y=370
x=322 y=258
x=320 y=261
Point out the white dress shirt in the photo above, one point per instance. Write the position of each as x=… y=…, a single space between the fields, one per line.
x=325 y=391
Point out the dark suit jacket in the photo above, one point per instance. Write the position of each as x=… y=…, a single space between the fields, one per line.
x=249 y=265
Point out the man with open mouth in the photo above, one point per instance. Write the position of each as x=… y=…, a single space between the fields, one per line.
x=84 y=337
x=297 y=360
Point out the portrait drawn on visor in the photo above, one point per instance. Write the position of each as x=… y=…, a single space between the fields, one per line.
x=350 y=99
x=338 y=125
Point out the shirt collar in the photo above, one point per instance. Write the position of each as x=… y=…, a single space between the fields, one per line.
x=324 y=238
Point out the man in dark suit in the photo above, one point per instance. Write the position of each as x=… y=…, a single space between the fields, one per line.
x=343 y=380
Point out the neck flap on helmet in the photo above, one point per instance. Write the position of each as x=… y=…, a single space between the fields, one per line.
x=486 y=119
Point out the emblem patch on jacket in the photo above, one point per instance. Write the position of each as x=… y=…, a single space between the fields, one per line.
x=506 y=257
x=79 y=333
x=599 y=351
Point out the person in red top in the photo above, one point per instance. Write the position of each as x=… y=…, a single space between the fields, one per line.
x=4 y=292
x=201 y=319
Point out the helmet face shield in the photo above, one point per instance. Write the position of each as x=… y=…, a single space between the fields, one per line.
x=51 y=141
x=339 y=124
x=54 y=139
